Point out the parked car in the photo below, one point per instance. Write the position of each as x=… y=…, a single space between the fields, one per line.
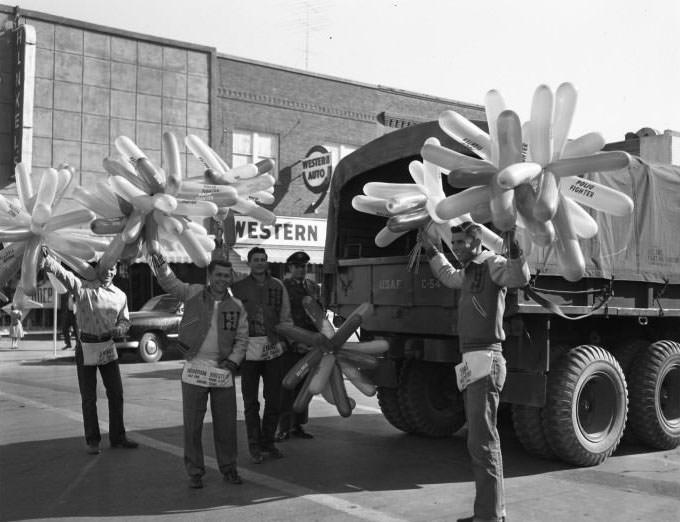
x=153 y=327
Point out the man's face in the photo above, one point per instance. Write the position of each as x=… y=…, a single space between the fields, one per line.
x=258 y=264
x=221 y=278
x=106 y=275
x=298 y=271
x=464 y=246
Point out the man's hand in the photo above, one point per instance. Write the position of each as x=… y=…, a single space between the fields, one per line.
x=118 y=331
x=229 y=365
x=514 y=250
x=157 y=262
x=428 y=245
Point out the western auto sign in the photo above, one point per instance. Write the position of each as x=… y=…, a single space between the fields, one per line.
x=316 y=169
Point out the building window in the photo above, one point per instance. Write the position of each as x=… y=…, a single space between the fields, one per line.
x=251 y=147
x=338 y=151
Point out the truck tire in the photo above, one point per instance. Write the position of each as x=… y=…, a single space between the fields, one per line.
x=527 y=421
x=151 y=347
x=528 y=424
x=587 y=403
x=388 y=400
x=655 y=395
x=430 y=399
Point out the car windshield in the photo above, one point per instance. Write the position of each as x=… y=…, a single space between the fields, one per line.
x=161 y=303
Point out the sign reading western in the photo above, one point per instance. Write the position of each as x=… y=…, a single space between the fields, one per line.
x=287 y=231
x=316 y=169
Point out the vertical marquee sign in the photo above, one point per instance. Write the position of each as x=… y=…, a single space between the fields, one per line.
x=24 y=92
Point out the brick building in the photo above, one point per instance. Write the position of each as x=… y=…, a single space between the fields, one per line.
x=94 y=83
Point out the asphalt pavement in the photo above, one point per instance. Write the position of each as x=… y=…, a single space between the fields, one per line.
x=356 y=469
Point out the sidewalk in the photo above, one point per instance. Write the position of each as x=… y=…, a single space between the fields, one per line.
x=37 y=345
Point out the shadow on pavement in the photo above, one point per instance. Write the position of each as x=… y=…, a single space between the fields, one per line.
x=57 y=479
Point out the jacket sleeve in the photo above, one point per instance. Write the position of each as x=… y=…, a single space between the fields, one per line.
x=284 y=313
x=445 y=273
x=511 y=273
x=170 y=283
x=238 y=351
x=68 y=279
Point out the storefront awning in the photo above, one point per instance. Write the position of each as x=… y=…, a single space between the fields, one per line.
x=277 y=254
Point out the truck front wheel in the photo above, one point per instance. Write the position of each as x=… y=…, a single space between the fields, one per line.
x=388 y=400
x=587 y=402
x=430 y=399
x=655 y=395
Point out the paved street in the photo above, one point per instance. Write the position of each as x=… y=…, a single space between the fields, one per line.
x=355 y=469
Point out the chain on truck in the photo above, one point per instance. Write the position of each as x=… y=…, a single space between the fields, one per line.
x=587 y=360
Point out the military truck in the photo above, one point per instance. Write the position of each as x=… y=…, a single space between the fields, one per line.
x=600 y=356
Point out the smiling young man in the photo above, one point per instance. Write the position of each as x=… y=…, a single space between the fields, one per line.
x=266 y=301
x=213 y=334
x=483 y=281
x=102 y=314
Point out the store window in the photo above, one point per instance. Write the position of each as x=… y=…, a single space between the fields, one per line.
x=251 y=147
x=338 y=151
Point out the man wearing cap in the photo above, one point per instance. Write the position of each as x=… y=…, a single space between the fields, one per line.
x=483 y=281
x=299 y=287
x=213 y=335
x=102 y=314
x=266 y=300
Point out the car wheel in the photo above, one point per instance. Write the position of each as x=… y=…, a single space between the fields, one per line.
x=151 y=347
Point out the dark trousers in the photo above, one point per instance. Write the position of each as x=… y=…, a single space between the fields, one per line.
x=484 y=444
x=87 y=382
x=69 y=322
x=261 y=435
x=223 y=409
x=289 y=418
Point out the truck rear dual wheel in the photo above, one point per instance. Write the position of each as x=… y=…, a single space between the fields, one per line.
x=429 y=398
x=586 y=408
x=655 y=395
x=527 y=421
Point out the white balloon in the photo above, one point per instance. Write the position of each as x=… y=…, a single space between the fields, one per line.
x=466 y=133
x=597 y=196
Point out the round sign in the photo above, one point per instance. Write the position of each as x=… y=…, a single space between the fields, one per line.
x=316 y=169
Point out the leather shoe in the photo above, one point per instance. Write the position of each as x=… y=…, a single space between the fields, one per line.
x=256 y=457
x=272 y=451
x=125 y=443
x=300 y=433
x=195 y=482
x=281 y=436
x=233 y=477
x=93 y=449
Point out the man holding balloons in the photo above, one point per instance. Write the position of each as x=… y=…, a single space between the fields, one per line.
x=102 y=314
x=213 y=335
x=482 y=280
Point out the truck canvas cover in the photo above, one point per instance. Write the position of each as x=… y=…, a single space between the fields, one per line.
x=644 y=246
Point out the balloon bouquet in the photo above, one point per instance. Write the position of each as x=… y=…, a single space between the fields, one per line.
x=330 y=356
x=524 y=176
x=140 y=205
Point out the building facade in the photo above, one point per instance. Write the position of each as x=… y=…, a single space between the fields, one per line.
x=94 y=83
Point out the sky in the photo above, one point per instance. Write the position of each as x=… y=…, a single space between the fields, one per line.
x=622 y=56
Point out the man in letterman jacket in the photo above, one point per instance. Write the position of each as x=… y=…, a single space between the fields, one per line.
x=214 y=333
x=266 y=301
x=483 y=281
